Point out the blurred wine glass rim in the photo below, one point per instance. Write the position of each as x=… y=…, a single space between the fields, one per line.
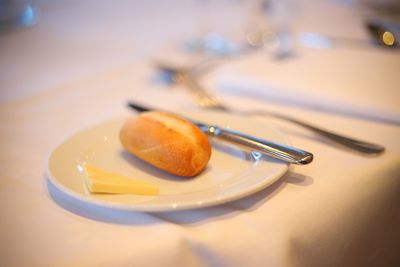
x=17 y=15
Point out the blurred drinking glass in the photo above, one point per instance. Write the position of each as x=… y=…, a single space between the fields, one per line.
x=229 y=27
x=16 y=14
x=221 y=26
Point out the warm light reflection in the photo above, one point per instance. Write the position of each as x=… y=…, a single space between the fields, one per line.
x=267 y=39
x=270 y=39
x=254 y=38
x=388 y=38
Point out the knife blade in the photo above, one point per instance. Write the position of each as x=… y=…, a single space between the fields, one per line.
x=279 y=151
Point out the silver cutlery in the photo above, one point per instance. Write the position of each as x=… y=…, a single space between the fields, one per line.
x=204 y=99
x=279 y=151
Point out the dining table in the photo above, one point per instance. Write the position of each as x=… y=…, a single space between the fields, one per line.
x=68 y=69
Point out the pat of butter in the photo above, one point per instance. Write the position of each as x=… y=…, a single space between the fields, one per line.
x=101 y=181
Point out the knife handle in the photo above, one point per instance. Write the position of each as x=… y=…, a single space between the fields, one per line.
x=279 y=151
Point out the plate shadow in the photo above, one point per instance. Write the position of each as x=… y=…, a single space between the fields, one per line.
x=184 y=217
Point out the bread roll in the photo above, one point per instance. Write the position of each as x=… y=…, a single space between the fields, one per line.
x=168 y=142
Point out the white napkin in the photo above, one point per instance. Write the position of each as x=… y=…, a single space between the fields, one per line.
x=362 y=84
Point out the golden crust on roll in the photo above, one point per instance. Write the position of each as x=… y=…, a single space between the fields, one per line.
x=168 y=142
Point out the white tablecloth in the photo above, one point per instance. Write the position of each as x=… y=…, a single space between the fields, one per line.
x=81 y=63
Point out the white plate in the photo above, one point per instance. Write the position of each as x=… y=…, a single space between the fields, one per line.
x=231 y=173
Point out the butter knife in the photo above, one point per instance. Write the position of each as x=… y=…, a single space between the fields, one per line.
x=279 y=151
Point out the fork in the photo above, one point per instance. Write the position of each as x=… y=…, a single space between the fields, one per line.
x=185 y=77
